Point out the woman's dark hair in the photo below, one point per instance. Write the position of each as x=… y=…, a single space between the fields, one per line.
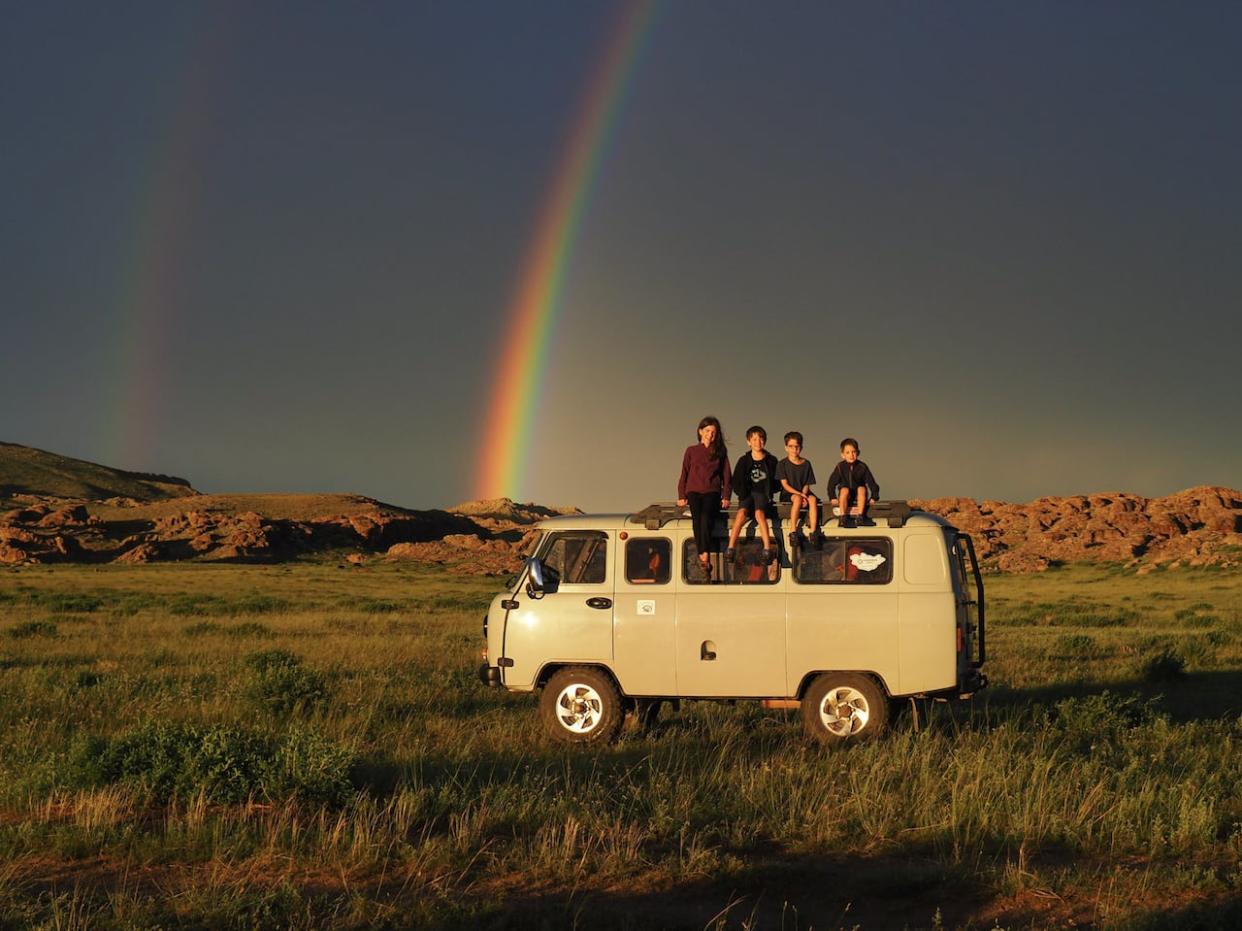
x=717 y=449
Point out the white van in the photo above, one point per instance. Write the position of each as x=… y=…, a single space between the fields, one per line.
x=613 y=614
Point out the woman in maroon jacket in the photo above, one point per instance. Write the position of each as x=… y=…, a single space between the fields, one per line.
x=705 y=484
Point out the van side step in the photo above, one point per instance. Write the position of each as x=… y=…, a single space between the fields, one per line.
x=654 y=516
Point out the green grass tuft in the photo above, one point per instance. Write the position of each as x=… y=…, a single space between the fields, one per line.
x=33 y=629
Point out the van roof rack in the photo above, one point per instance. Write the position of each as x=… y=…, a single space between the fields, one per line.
x=654 y=516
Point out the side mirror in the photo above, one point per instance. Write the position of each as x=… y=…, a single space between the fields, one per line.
x=540 y=580
x=535 y=576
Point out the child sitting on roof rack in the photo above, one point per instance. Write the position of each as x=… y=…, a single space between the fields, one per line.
x=797 y=479
x=754 y=480
x=852 y=485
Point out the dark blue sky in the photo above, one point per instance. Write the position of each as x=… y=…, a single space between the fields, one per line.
x=271 y=247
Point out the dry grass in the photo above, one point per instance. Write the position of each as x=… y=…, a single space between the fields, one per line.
x=1081 y=788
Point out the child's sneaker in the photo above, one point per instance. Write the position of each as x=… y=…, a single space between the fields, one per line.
x=730 y=553
x=847 y=522
x=768 y=555
x=817 y=537
x=794 y=540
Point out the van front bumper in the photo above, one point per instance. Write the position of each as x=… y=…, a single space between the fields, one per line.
x=489 y=675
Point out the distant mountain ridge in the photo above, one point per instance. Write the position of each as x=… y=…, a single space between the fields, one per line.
x=25 y=470
x=116 y=516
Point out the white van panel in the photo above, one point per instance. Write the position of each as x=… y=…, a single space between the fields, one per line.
x=746 y=627
x=643 y=643
x=839 y=627
x=928 y=641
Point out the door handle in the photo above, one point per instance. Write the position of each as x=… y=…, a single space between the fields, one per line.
x=599 y=602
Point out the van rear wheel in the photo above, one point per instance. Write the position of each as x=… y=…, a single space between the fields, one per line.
x=844 y=706
x=580 y=705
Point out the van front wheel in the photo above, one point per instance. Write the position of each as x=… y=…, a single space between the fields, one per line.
x=580 y=705
x=844 y=706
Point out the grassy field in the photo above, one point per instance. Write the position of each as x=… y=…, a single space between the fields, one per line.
x=307 y=746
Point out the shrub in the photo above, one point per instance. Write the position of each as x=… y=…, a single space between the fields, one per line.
x=1064 y=614
x=258 y=604
x=1103 y=716
x=249 y=629
x=87 y=678
x=281 y=683
x=225 y=764
x=33 y=629
x=69 y=602
x=1076 y=645
x=372 y=605
x=202 y=628
x=1165 y=666
x=185 y=604
x=1201 y=620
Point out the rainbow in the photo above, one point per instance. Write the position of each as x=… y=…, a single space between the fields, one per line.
x=156 y=258
x=537 y=300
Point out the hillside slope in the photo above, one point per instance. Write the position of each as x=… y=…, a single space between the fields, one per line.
x=25 y=470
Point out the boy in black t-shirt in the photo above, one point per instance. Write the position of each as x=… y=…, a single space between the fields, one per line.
x=853 y=485
x=797 y=480
x=754 y=481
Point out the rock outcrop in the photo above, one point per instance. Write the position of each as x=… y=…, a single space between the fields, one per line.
x=256 y=528
x=1198 y=527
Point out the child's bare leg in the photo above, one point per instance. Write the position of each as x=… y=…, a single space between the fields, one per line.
x=843 y=502
x=795 y=509
x=862 y=501
x=737 y=527
x=762 y=520
x=812 y=510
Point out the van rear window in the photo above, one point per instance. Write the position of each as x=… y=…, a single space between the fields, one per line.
x=746 y=567
x=845 y=561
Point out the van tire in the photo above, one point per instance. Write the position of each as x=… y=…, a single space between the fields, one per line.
x=842 y=707
x=581 y=705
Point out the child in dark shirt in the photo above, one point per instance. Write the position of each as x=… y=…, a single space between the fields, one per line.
x=797 y=479
x=754 y=481
x=853 y=485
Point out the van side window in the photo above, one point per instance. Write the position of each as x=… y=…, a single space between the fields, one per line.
x=578 y=556
x=846 y=561
x=648 y=561
x=747 y=567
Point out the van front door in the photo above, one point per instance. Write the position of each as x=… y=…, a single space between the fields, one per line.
x=571 y=622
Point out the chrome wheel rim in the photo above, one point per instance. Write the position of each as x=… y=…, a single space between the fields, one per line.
x=579 y=708
x=844 y=711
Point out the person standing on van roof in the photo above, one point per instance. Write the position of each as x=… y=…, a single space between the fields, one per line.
x=754 y=480
x=797 y=481
x=852 y=484
x=705 y=485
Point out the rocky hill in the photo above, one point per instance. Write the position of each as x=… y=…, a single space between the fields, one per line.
x=1197 y=527
x=259 y=528
x=25 y=470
